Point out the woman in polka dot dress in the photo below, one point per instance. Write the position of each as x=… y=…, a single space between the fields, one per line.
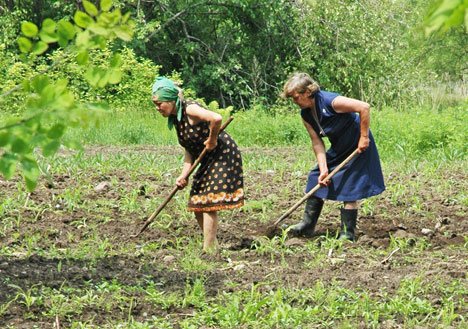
x=218 y=183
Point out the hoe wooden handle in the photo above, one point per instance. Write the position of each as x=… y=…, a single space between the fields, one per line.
x=176 y=188
x=315 y=189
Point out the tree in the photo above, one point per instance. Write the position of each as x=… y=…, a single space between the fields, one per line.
x=234 y=51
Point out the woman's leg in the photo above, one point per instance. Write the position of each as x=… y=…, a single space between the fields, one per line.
x=210 y=229
x=350 y=205
x=199 y=217
x=348 y=220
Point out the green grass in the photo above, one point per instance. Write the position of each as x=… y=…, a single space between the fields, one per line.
x=399 y=134
x=251 y=288
x=265 y=304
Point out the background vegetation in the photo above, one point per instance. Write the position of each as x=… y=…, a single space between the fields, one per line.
x=239 y=52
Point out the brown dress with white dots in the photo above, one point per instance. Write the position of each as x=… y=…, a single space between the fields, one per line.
x=218 y=183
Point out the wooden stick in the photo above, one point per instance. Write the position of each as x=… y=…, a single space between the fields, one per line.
x=389 y=256
x=315 y=189
x=176 y=188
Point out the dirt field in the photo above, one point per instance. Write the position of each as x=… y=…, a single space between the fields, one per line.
x=421 y=233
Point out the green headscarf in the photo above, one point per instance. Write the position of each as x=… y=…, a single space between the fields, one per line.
x=167 y=91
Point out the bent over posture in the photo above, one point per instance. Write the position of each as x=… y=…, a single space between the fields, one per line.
x=345 y=122
x=218 y=183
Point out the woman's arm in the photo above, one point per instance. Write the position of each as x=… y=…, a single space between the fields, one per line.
x=343 y=104
x=319 y=149
x=197 y=113
x=182 y=180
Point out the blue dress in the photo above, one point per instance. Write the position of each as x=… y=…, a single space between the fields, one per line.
x=359 y=179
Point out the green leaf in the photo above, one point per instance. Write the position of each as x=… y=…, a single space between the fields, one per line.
x=90 y=8
x=82 y=39
x=40 y=82
x=29 y=29
x=62 y=41
x=106 y=5
x=97 y=29
x=40 y=47
x=100 y=41
x=124 y=33
x=26 y=85
x=73 y=144
x=24 y=44
x=97 y=77
x=34 y=122
x=50 y=148
x=66 y=29
x=110 y=18
x=61 y=86
x=8 y=165
x=47 y=96
x=82 y=57
x=64 y=101
x=97 y=107
x=448 y=13
x=30 y=183
x=115 y=76
x=82 y=19
x=125 y=17
x=91 y=77
x=56 y=131
x=466 y=21
x=48 y=26
x=104 y=80
x=48 y=37
x=19 y=146
x=447 y=6
x=116 y=61
x=30 y=172
x=38 y=139
x=4 y=138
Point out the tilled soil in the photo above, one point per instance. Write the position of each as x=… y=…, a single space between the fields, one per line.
x=437 y=220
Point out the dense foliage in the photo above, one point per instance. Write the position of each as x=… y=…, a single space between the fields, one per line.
x=239 y=52
x=232 y=51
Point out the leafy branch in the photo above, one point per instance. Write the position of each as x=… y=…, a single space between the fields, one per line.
x=50 y=106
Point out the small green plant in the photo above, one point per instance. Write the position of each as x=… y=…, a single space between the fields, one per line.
x=367 y=206
x=274 y=247
x=316 y=255
x=408 y=302
x=29 y=297
x=161 y=298
x=129 y=201
x=408 y=244
x=194 y=294
x=5 y=306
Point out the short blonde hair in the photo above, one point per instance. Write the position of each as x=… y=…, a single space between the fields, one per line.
x=300 y=83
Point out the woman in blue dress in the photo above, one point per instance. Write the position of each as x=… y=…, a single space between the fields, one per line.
x=345 y=122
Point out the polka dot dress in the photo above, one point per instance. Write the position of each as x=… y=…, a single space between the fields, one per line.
x=218 y=183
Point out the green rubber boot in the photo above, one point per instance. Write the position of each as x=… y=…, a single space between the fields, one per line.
x=306 y=226
x=348 y=224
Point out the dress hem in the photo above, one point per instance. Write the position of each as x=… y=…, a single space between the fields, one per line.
x=215 y=207
x=347 y=198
